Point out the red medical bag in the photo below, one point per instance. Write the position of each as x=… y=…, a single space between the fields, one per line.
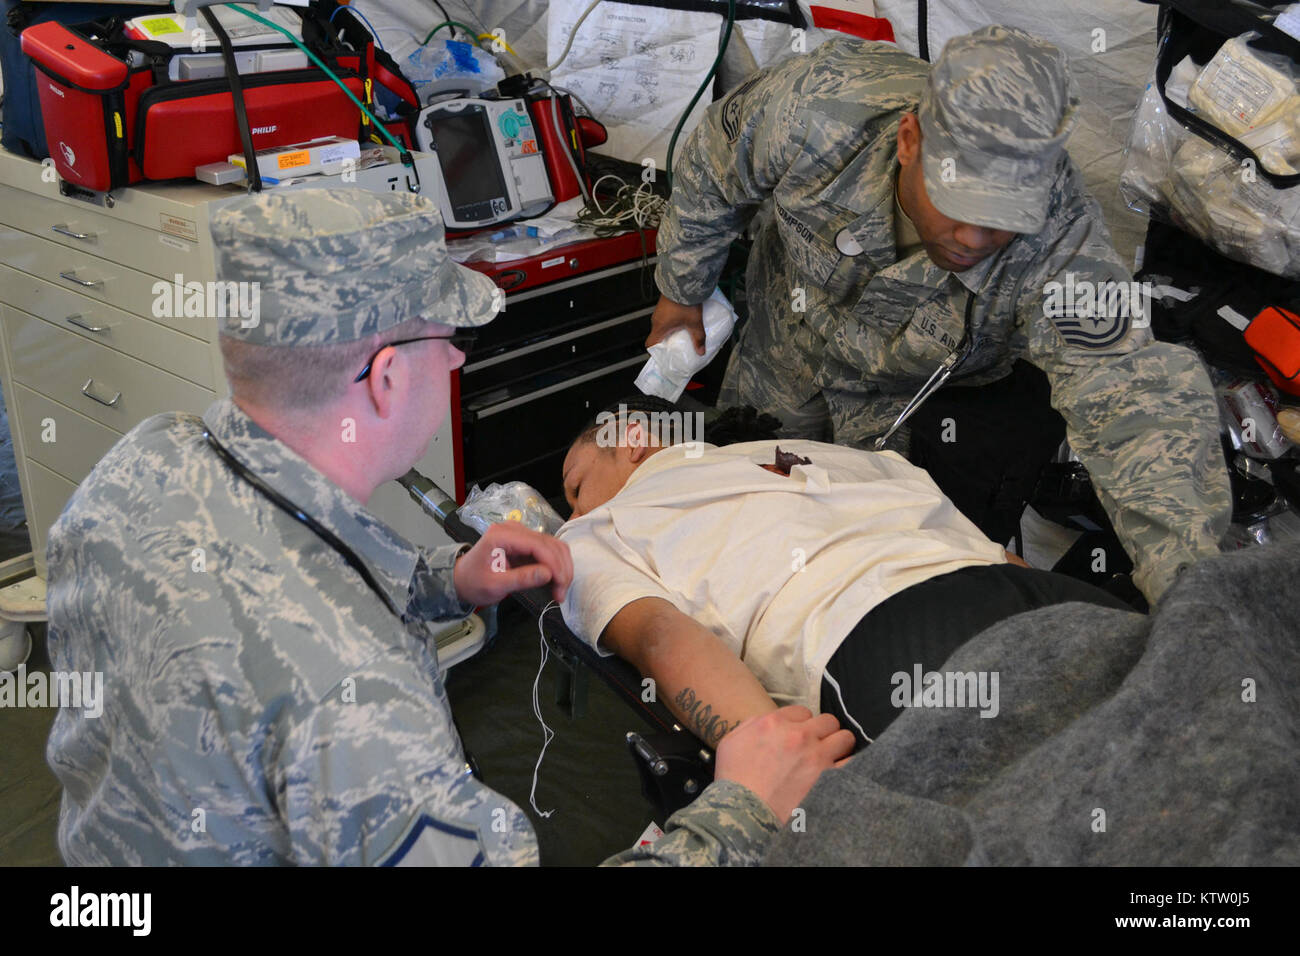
x=182 y=125
x=109 y=124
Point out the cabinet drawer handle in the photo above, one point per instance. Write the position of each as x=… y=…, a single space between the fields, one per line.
x=71 y=276
x=65 y=231
x=85 y=390
x=77 y=321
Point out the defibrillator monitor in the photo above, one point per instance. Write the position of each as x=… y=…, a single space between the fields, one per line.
x=491 y=160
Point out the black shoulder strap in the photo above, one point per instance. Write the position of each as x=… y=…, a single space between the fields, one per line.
x=287 y=506
x=1222 y=20
x=237 y=94
x=923 y=30
x=117 y=42
x=1233 y=19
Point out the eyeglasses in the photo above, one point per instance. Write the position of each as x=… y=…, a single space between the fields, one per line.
x=461 y=340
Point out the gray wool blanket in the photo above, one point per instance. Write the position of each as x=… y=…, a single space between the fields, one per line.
x=1119 y=739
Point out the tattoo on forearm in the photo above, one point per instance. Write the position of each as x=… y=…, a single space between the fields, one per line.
x=708 y=726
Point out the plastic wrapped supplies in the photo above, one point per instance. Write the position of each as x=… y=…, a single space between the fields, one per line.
x=1248 y=412
x=1277 y=143
x=1246 y=219
x=1172 y=173
x=513 y=501
x=674 y=360
x=1239 y=89
x=1150 y=152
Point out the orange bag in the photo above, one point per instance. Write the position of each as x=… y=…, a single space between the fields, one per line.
x=1274 y=334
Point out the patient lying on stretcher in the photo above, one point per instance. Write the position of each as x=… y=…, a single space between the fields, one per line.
x=740 y=577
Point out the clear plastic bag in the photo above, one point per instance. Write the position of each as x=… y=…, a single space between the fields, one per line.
x=513 y=501
x=451 y=65
x=1175 y=175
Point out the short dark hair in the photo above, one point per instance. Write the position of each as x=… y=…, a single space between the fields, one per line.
x=738 y=423
x=646 y=405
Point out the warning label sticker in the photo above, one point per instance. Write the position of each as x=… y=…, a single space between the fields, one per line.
x=158 y=26
x=176 y=226
x=299 y=157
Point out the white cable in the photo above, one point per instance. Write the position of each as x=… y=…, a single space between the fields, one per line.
x=826 y=676
x=596 y=187
x=641 y=206
x=547 y=733
x=576 y=98
x=572 y=33
x=392 y=28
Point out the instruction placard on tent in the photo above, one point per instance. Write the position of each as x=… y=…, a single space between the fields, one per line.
x=636 y=68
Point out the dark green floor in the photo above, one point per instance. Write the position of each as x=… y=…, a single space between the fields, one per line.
x=588 y=778
x=29 y=793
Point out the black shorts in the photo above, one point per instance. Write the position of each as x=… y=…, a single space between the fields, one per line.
x=924 y=624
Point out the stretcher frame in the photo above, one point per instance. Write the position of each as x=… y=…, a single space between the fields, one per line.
x=673 y=764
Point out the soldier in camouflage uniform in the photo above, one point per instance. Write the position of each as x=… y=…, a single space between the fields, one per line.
x=856 y=301
x=265 y=702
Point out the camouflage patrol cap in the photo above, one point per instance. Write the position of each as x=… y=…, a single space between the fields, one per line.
x=998 y=105
x=339 y=265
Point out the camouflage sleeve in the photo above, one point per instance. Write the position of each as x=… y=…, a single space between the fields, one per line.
x=727 y=825
x=433 y=587
x=375 y=775
x=730 y=163
x=1140 y=414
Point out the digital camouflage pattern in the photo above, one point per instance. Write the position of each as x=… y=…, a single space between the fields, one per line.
x=835 y=313
x=249 y=672
x=726 y=825
x=262 y=704
x=998 y=104
x=338 y=265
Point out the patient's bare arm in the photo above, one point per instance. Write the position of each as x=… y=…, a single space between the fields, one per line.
x=701 y=681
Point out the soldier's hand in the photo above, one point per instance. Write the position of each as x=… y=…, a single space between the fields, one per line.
x=509 y=558
x=781 y=754
x=670 y=316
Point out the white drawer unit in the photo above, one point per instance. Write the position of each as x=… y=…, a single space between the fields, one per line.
x=86 y=229
x=149 y=341
x=47 y=495
x=90 y=275
x=62 y=440
x=109 y=386
x=84 y=354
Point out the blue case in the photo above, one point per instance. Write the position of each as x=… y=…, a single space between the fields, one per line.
x=23 y=131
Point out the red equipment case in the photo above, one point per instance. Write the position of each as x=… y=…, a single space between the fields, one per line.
x=1274 y=334
x=109 y=124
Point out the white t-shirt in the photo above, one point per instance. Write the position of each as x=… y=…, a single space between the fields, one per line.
x=780 y=568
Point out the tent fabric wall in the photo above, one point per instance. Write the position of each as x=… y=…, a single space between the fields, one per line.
x=402 y=24
x=1110 y=81
x=1110 y=69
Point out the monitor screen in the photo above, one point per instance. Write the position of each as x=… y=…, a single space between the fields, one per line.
x=470 y=163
